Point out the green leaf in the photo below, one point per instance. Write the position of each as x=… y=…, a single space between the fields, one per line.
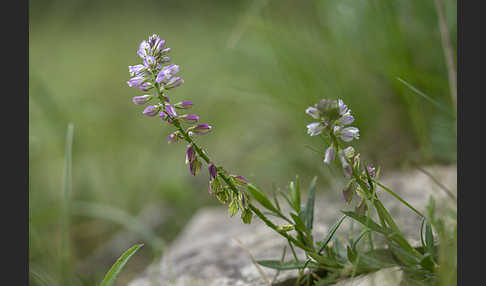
x=366 y=221
x=299 y=224
x=429 y=239
x=118 y=266
x=330 y=234
x=295 y=194
x=309 y=207
x=260 y=197
x=324 y=260
x=289 y=265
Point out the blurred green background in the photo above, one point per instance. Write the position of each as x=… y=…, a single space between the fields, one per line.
x=251 y=68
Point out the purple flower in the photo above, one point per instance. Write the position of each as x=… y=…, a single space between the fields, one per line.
x=143 y=99
x=348 y=171
x=136 y=69
x=345 y=120
x=139 y=81
x=212 y=171
x=314 y=128
x=143 y=49
x=183 y=105
x=167 y=73
x=343 y=108
x=329 y=155
x=372 y=172
x=174 y=137
x=151 y=110
x=170 y=111
x=190 y=118
x=149 y=61
x=174 y=82
x=349 y=133
x=240 y=180
x=314 y=112
x=201 y=129
x=195 y=167
x=165 y=51
x=190 y=154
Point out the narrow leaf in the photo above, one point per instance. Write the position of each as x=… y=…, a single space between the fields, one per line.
x=366 y=221
x=260 y=197
x=118 y=266
x=330 y=234
x=309 y=207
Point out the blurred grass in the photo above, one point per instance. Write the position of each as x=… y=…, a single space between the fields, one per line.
x=251 y=68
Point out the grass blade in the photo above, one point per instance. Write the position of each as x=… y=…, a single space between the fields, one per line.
x=112 y=274
x=330 y=234
x=309 y=207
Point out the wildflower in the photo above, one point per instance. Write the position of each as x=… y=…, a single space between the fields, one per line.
x=190 y=118
x=239 y=180
x=200 y=129
x=174 y=137
x=190 y=154
x=139 y=81
x=314 y=112
x=174 y=82
x=348 y=171
x=329 y=155
x=371 y=171
x=143 y=99
x=136 y=70
x=347 y=134
x=183 y=105
x=195 y=166
x=151 y=110
x=314 y=128
x=166 y=73
x=170 y=111
x=212 y=171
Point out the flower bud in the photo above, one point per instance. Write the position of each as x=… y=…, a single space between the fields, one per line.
x=170 y=111
x=151 y=110
x=349 y=152
x=314 y=112
x=348 y=193
x=212 y=171
x=174 y=137
x=233 y=207
x=329 y=155
x=174 y=82
x=200 y=129
x=190 y=154
x=314 y=128
x=183 y=105
x=190 y=118
x=239 y=180
x=195 y=166
x=349 y=133
x=142 y=99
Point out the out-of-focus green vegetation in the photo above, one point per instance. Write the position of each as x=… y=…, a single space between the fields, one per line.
x=251 y=68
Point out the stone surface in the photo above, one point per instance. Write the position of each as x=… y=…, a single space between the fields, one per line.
x=215 y=249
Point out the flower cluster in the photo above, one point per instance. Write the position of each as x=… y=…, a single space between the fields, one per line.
x=158 y=75
x=333 y=116
x=155 y=73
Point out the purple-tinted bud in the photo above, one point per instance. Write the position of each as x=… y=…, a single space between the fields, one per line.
x=143 y=99
x=183 y=105
x=167 y=73
x=343 y=108
x=170 y=111
x=151 y=110
x=314 y=112
x=190 y=118
x=174 y=82
x=163 y=115
x=190 y=154
x=329 y=155
x=349 y=152
x=314 y=128
x=212 y=171
x=165 y=59
x=195 y=167
x=348 y=194
x=372 y=172
x=136 y=69
x=349 y=133
x=143 y=49
x=201 y=129
x=149 y=61
x=345 y=119
x=158 y=46
x=135 y=81
x=165 y=51
x=174 y=137
x=240 y=180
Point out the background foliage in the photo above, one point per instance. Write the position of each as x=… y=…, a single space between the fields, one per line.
x=251 y=68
